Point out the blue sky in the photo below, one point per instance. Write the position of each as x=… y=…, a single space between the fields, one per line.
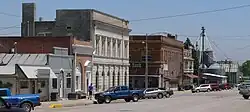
x=229 y=29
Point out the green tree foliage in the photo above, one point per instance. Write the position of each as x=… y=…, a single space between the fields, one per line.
x=187 y=44
x=245 y=68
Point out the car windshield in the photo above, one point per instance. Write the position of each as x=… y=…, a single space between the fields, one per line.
x=110 y=89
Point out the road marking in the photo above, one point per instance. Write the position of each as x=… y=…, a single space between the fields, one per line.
x=56 y=106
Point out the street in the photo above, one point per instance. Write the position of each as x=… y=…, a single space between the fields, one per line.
x=223 y=101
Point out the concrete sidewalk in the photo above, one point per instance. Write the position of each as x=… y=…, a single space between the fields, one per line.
x=66 y=103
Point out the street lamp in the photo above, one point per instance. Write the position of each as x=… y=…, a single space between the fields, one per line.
x=146 y=62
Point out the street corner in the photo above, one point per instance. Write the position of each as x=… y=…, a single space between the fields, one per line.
x=55 y=105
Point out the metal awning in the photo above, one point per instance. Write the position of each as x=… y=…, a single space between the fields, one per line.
x=31 y=72
x=214 y=75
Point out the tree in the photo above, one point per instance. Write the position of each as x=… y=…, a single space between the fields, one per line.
x=188 y=43
x=245 y=68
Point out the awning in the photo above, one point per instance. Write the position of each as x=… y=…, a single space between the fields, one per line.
x=191 y=76
x=214 y=75
x=7 y=70
x=31 y=72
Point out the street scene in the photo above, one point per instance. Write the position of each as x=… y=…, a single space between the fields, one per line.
x=117 y=56
x=223 y=101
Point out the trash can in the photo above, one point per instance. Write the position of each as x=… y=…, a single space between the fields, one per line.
x=73 y=96
x=54 y=96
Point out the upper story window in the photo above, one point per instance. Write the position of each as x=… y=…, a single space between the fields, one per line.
x=109 y=48
x=119 y=49
x=114 y=48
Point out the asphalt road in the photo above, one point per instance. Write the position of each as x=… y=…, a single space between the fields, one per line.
x=223 y=101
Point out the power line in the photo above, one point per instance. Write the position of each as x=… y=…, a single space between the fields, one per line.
x=8 y=14
x=189 y=14
x=5 y=28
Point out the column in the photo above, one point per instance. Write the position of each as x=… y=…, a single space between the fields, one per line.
x=93 y=76
x=116 y=48
x=100 y=78
x=116 y=75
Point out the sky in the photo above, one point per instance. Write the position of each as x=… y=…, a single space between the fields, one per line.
x=227 y=31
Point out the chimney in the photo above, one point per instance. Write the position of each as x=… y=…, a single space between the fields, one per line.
x=40 y=18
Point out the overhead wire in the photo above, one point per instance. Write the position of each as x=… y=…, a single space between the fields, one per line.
x=189 y=14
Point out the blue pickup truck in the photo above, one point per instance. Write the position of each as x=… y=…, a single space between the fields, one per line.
x=25 y=101
x=119 y=92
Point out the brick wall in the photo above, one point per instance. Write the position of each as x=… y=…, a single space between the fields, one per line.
x=34 y=44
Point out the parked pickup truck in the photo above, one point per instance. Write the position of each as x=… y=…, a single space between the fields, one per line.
x=25 y=101
x=245 y=91
x=119 y=92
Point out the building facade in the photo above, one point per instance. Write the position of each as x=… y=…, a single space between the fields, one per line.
x=165 y=60
x=46 y=45
x=231 y=69
x=188 y=66
x=108 y=35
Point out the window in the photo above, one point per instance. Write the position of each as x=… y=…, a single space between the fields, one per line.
x=68 y=82
x=77 y=82
x=42 y=84
x=54 y=83
x=97 y=81
x=103 y=47
x=23 y=84
x=124 y=88
x=3 y=93
x=125 y=50
x=119 y=50
x=108 y=49
x=186 y=65
x=97 y=45
x=114 y=49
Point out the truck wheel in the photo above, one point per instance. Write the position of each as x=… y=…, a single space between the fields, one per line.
x=135 y=97
x=99 y=101
x=107 y=99
x=127 y=100
x=245 y=97
x=167 y=95
x=160 y=96
x=27 y=107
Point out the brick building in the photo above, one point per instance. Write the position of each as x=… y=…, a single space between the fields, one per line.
x=165 y=55
x=45 y=45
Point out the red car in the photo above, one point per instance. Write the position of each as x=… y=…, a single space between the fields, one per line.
x=225 y=86
x=215 y=87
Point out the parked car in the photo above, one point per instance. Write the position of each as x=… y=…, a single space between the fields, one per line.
x=169 y=91
x=188 y=87
x=6 y=107
x=245 y=91
x=202 y=88
x=225 y=86
x=157 y=93
x=215 y=87
x=118 y=92
x=25 y=101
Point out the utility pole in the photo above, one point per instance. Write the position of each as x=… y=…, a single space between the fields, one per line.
x=202 y=49
x=73 y=79
x=146 y=62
